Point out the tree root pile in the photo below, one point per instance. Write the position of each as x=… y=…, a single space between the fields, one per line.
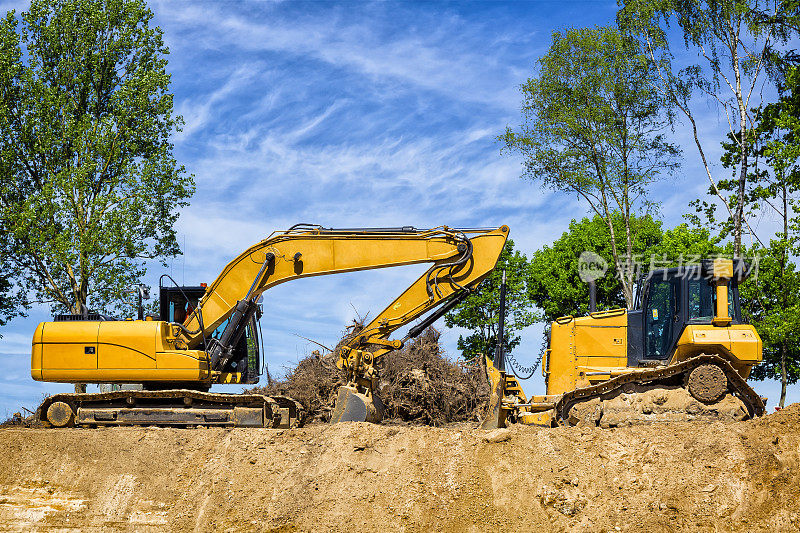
x=314 y=382
x=419 y=384
x=422 y=385
x=18 y=420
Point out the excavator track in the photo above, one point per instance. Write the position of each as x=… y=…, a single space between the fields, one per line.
x=736 y=385
x=176 y=407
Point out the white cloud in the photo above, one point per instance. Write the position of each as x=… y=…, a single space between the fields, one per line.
x=16 y=343
x=428 y=58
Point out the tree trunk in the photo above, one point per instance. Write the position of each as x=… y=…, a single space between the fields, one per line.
x=626 y=287
x=784 y=295
x=629 y=261
x=738 y=216
x=784 y=379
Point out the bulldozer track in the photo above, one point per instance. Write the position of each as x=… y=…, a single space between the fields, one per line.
x=174 y=407
x=739 y=387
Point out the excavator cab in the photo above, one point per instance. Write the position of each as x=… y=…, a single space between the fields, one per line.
x=178 y=303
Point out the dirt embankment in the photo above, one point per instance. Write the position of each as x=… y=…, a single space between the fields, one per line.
x=689 y=476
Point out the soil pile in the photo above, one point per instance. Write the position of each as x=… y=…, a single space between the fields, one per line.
x=419 y=384
x=683 y=476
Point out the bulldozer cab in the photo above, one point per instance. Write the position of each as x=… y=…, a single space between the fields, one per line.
x=668 y=300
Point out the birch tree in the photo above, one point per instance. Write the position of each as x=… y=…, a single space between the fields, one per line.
x=593 y=126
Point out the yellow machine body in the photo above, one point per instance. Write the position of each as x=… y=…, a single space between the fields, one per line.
x=113 y=351
x=688 y=313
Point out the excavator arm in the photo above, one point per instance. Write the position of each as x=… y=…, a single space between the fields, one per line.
x=460 y=260
x=442 y=287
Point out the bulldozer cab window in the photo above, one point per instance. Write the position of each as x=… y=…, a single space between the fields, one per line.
x=662 y=306
x=701 y=301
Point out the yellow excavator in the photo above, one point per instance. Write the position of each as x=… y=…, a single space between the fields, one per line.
x=208 y=335
x=685 y=331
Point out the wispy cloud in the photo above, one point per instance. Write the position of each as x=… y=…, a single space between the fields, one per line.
x=440 y=53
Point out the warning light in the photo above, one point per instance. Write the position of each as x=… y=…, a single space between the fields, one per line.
x=204 y=285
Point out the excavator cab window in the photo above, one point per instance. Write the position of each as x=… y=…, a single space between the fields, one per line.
x=176 y=303
x=247 y=352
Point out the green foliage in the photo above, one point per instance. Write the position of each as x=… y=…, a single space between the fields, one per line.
x=12 y=301
x=734 y=46
x=592 y=126
x=779 y=133
x=480 y=311
x=89 y=189
x=556 y=288
x=784 y=21
x=771 y=302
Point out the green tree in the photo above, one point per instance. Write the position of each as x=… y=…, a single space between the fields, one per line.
x=592 y=126
x=556 y=288
x=89 y=188
x=772 y=298
x=12 y=303
x=771 y=303
x=480 y=311
x=734 y=45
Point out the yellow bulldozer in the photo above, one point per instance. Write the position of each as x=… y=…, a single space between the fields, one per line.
x=685 y=331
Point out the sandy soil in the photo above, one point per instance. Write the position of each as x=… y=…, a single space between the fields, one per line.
x=687 y=476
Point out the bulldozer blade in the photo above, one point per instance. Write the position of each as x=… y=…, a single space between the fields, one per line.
x=353 y=406
x=495 y=415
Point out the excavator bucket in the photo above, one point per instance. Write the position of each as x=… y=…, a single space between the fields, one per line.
x=353 y=406
x=495 y=415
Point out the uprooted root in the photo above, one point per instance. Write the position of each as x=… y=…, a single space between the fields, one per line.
x=314 y=382
x=419 y=384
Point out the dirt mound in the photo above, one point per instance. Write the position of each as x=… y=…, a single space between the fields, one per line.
x=419 y=384
x=687 y=476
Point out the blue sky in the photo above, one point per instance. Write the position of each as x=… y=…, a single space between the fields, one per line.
x=355 y=114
